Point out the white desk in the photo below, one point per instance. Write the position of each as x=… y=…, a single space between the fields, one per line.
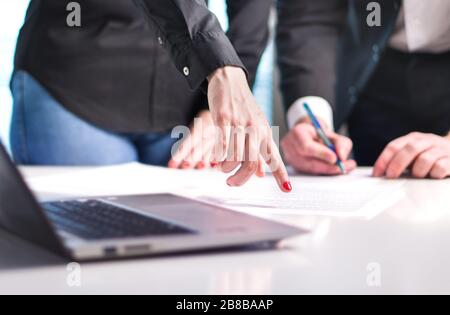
x=409 y=242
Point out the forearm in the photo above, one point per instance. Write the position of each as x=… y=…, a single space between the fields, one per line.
x=194 y=37
x=249 y=31
x=307 y=39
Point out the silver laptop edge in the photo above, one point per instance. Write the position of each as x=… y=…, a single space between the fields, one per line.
x=214 y=227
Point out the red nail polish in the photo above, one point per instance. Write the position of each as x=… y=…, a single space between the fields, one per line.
x=287 y=186
x=214 y=164
x=201 y=165
x=186 y=165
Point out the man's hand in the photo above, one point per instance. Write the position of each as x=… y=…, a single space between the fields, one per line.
x=305 y=152
x=196 y=150
x=425 y=154
x=243 y=132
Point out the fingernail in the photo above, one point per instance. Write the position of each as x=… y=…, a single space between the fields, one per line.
x=201 y=165
x=186 y=165
x=213 y=164
x=287 y=186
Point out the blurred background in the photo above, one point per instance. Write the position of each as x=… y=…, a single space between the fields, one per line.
x=11 y=18
x=12 y=13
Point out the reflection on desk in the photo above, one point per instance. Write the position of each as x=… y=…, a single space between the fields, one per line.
x=407 y=242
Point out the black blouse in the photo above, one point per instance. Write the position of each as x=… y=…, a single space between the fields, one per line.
x=137 y=65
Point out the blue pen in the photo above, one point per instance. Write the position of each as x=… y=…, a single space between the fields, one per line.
x=324 y=137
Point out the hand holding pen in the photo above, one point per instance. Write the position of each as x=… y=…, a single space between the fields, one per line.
x=311 y=147
x=321 y=133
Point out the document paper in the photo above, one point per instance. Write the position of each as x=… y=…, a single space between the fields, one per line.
x=355 y=195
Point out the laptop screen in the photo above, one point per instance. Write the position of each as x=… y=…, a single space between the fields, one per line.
x=20 y=214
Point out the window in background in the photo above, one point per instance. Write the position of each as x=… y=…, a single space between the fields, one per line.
x=12 y=14
x=11 y=18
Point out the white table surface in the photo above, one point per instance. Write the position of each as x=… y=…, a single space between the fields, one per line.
x=409 y=244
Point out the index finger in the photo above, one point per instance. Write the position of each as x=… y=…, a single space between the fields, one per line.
x=277 y=167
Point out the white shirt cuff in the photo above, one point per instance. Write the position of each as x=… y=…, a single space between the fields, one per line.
x=320 y=107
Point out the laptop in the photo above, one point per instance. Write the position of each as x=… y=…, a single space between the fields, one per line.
x=126 y=226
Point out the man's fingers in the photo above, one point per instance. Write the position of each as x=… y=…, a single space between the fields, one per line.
x=344 y=146
x=441 y=169
x=403 y=158
x=309 y=145
x=425 y=162
x=303 y=141
x=350 y=166
x=318 y=167
x=387 y=155
x=318 y=151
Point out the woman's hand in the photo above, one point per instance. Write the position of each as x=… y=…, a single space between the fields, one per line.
x=196 y=150
x=243 y=133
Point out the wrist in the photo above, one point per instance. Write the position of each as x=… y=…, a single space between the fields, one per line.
x=304 y=120
x=320 y=106
x=225 y=73
x=204 y=114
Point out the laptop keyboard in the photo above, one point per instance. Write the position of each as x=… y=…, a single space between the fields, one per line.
x=94 y=220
